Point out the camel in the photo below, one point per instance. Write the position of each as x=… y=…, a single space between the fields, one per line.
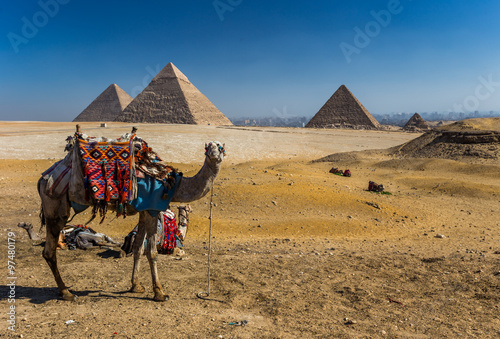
x=183 y=218
x=29 y=228
x=56 y=212
x=182 y=225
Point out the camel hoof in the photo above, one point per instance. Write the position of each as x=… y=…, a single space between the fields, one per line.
x=68 y=296
x=137 y=289
x=161 y=297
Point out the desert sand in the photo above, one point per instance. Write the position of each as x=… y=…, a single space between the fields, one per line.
x=296 y=251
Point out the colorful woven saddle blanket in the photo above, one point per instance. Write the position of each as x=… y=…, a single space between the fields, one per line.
x=124 y=171
x=169 y=236
x=58 y=177
x=107 y=169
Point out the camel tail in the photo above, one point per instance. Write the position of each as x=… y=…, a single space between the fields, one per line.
x=42 y=219
x=41 y=215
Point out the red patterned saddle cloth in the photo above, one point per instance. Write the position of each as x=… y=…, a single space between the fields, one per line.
x=169 y=233
x=107 y=168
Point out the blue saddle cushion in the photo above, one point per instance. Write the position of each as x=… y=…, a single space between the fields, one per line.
x=153 y=195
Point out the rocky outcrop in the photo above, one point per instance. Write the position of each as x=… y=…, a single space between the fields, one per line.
x=453 y=142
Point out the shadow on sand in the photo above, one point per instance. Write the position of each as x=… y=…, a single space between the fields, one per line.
x=110 y=253
x=41 y=295
x=37 y=295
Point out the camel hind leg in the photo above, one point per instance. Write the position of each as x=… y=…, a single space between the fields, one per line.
x=49 y=253
x=138 y=249
x=152 y=255
x=55 y=213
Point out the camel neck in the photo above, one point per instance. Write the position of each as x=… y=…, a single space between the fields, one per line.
x=196 y=187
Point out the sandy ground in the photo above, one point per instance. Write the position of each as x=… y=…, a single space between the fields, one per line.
x=296 y=251
x=185 y=143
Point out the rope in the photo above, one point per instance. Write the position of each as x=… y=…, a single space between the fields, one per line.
x=204 y=295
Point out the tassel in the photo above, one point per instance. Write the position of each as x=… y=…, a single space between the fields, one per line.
x=105 y=179
x=103 y=208
x=94 y=214
x=120 y=210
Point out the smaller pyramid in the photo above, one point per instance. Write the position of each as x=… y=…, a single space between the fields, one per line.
x=170 y=98
x=343 y=110
x=107 y=106
x=416 y=123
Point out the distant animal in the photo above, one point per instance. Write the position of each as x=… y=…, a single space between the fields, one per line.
x=183 y=219
x=55 y=213
x=29 y=228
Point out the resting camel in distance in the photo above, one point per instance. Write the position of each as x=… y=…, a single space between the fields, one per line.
x=56 y=212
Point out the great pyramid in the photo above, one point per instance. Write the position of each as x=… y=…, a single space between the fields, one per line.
x=343 y=110
x=107 y=106
x=170 y=98
x=416 y=123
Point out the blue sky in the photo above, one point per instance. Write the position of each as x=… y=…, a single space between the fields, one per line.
x=252 y=58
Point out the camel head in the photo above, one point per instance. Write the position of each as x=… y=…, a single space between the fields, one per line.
x=70 y=143
x=215 y=151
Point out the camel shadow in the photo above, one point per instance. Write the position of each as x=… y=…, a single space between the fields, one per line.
x=36 y=295
x=126 y=295
x=110 y=253
x=41 y=295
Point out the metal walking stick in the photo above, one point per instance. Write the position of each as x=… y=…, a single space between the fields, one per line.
x=204 y=295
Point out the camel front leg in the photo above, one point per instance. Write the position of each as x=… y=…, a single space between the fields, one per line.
x=138 y=249
x=54 y=227
x=152 y=255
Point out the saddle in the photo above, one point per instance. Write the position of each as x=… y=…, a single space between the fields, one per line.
x=107 y=168
x=100 y=171
x=335 y=170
